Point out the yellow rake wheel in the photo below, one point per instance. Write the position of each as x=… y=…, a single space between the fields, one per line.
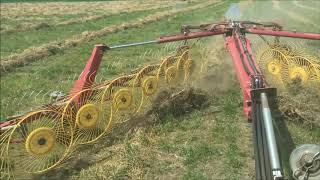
x=184 y=65
x=180 y=50
x=172 y=75
x=145 y=86
x=274 y=67
x=188 y=69
x=122 y=98
x=150 y=86
x=88 y=115
x=182 y=59
x=304 y=69
x=317 y=71
x=5 y=167
x=289 y=66
x=38 y=143
x=165 y=64
x=273 y=62
x=298 y=73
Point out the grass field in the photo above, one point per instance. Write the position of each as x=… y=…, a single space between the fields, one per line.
x=211 y=142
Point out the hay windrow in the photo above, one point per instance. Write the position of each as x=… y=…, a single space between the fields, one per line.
x=36 y=53
x=184 y=102
x=17 y=10
x=86 y=17
x=301 y=106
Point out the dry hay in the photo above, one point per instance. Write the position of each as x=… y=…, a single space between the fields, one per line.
x=184 y=101
x=35 y=22
x=293 y=15
x=36 y=53
x=297 y=101
x=15 y=10
x=301 y=105
x=111 y=149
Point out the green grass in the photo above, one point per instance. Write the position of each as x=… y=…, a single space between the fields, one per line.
x=36 y=1
x=57 y=72
x=180 y=147
x=263 y=9
x=227 y=131
x=306 y=13
x=20 y=22
x=193 y=141
x=195 y=154
x=199 y=145
x=17 y=42
x=194 y=175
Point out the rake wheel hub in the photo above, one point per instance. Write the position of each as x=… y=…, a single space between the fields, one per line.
x=40 y=141
x=171 y=74
x=299 y=73
x=150 y=86
x=274 y=67
x=187 y=69
x=87 y=116
x=122 y=99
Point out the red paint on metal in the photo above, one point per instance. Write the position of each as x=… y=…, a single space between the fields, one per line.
x=252 y=55
x=89 y=72
x=7 y=123
x=190 y=35
x=292 y=34
x=244 y=78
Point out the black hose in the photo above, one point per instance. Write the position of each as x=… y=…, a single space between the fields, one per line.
x=241 y=57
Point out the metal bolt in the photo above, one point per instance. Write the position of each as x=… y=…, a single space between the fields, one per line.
x=42 y=141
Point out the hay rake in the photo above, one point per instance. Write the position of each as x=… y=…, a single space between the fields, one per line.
x=49 y=135
x=90 y=110
x=284 y=65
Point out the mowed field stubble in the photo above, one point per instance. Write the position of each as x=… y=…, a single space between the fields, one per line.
x=44 y=47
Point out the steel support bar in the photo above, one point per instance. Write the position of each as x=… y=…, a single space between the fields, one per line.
x=270 y=136
x=292 y=34
x=191 y=35
x=262 y=161
x=173 y=38
x=132 y=44
x=242 y=68
x=89 y=72
x=5 y=124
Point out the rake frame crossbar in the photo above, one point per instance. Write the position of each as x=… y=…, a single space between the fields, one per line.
x=254 y=87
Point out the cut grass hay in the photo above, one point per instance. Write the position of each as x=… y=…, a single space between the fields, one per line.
x=184 y=103
x=301 y=105
x=36 y=53
x=35 y=22
x=17 y=10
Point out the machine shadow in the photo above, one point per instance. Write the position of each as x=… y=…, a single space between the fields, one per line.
x=284 y=139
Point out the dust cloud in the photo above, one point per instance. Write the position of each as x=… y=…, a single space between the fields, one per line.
x=219 y=76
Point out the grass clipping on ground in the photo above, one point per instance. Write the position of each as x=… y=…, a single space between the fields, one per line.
x=45 y=50
x=130 y=150
x=301 y=105
x=187 y=133
x=47 y=23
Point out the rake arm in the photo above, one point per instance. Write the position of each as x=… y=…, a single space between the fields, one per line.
x=280 y=33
